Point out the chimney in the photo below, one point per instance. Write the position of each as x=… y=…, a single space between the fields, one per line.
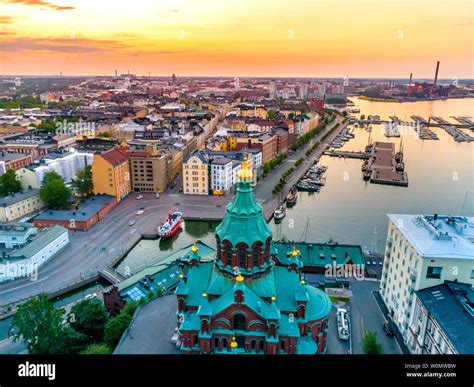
x=411 y=77
x=436 y=73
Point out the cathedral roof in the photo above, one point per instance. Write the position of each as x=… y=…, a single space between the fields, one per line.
x=244 y=220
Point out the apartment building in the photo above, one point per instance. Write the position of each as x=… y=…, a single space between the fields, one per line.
x=443 y=317
x=424 y=251
x=111 y=174
x=19 y=205
x=196 y=175
x=67 y=165
x=14 y=161
x=149 y=173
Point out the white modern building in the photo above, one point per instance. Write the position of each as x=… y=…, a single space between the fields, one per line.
x=15 y=234
x=424 y=251
x=221 y=174
x=26 y=261
x=66 y=165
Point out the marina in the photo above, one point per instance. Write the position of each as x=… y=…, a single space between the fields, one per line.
x=312 y=180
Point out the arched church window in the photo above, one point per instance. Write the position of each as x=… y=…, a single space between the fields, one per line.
x=240 y=322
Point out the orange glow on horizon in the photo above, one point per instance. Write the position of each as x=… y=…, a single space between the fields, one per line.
x=301 y=38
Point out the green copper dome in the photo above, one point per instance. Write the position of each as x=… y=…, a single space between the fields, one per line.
x=244 y=221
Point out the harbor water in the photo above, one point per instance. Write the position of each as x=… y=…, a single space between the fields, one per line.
x=351 y=210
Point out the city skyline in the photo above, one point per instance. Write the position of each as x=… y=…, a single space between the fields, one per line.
x=275 y=39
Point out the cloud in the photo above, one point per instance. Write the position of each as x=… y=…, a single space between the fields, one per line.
x=41 y=3
x=4 y=19
x=61 y=45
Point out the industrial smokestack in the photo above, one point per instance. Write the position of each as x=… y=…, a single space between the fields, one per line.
x=411 y=77
x=436 y=74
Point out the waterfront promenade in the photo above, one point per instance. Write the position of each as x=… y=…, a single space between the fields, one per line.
x=97 y=250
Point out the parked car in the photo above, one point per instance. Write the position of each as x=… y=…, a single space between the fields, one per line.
x=388 y=329
x=139 y=197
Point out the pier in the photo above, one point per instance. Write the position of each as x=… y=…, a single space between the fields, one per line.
x=347 y=154
x=383 y=167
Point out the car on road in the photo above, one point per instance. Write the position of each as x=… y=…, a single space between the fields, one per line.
x=388 y=329
x=90 y=296
x=139 y=212
x=139 y=197
x=132 y=222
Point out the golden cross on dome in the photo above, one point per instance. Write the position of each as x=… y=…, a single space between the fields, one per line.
x=194 y=249
x=245 y=173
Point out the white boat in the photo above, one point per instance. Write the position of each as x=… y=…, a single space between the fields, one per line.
x=342 y=324
x=280 y=213
x=172 y=225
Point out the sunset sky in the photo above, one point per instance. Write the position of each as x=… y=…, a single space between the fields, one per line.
x=319 y=38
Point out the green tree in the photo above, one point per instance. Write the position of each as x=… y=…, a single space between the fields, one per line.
x=97 y=349
x=9 y=183
x=54 y=192
x=115 y=327
x=83 y=182
x=89 y=318
x=39 y=324
x=130 y=308
x=371 y=345
x=72 y=342
x=272 y=115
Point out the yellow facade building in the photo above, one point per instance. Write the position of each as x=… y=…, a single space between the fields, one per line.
x=196 y=175
x=111 y=174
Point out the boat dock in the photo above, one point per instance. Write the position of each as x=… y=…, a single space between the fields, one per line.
x=440 y=121
x=462 y=122
x=424 y=133
x=458 y=134
x=347 y=154
x=419 y=119
x=465 y=121
x=382 y=166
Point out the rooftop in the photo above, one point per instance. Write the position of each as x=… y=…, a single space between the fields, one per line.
x=18 y=197
x=83 y=213
x=452 y=305
x=44 y=238
x=438 y=236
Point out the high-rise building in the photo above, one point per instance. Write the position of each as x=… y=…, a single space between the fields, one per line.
x=272 y=89
x=424 y=251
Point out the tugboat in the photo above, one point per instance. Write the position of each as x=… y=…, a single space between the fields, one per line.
x=172 y=225
x=292 y=197
x=279 y=214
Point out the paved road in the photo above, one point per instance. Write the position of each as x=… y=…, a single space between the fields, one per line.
x=94 y=250
x=366 y=315
x=152 y=329
x=263 y=192
x=8 y=347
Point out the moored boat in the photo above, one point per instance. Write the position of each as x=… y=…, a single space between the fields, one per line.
x=292 y=197
x=279 y=213
x=172 y=225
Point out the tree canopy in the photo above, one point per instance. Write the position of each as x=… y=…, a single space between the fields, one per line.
x=9 y=183
x=371 y=345
x=39 y=324
x=89 y=318
x=83 y=182
x=54 y=192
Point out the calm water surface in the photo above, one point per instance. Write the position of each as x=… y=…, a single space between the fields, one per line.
x=350 y=210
